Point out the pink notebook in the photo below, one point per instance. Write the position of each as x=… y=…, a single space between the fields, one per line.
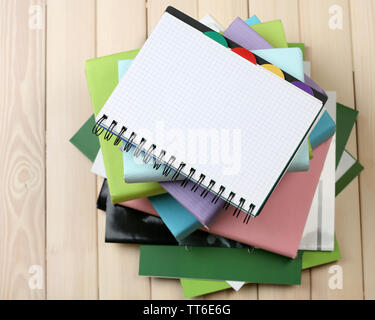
x=142 y=204
x=273 y=230
x=280 y=226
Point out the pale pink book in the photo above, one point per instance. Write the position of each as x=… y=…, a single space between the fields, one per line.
x=142 y=204
x=280 y=226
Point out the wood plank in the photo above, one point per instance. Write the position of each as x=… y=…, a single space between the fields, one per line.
x=225 y=11
x=155 y=9
x=166 y=289
x=363 y=26
x=71 y=188
x=287 y=11
x=323 y=47
x=121 y=26
x=22 y=149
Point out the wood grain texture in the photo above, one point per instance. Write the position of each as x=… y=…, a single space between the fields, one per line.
x=324 y=45
x=287 y=11
x=47 y=204
x=363 y=44
x=71 y=187
x=225 y=11
x=155 y=9
x=121 y=26
x=22 y=149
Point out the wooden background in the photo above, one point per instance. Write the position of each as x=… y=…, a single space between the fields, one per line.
x=47 y=200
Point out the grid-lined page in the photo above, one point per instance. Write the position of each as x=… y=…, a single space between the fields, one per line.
x=185 y=89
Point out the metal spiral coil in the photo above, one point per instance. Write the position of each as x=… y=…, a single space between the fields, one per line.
x=99 y=128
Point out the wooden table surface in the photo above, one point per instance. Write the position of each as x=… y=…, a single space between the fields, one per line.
x=51 y=235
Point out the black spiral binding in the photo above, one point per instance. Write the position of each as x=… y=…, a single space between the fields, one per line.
x=99 y=128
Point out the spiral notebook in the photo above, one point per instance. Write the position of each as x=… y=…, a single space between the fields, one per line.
x=288 y=59
x=165 y=85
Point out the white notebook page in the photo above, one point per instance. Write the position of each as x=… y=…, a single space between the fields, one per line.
x=185 y=84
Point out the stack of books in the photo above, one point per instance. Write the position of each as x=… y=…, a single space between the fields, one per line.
x=222 y=157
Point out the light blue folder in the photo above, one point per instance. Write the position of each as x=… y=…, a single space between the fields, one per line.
x=252 y=20
x=177 y=219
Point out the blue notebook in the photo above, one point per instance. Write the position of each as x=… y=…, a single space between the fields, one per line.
x=252 y=20
x=177 y=219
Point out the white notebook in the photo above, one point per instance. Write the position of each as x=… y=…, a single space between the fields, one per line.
x=319 y=232
x=235 y=122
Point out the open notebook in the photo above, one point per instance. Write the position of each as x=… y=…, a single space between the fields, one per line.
x=288 y=59
x=187 y=81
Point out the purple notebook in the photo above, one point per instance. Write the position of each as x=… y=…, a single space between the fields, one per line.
x=203 y=208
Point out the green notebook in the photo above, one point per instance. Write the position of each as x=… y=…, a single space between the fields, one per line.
x=219 y=263
x=195 y=287
x=272 y=32
x=312 y=259
x=85 y=141
x=348 y=169
x=345 y=120
x=102 y=78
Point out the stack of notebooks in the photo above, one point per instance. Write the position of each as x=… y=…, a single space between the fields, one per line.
x=222 y=157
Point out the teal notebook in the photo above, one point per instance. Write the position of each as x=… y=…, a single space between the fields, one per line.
x=256 y=265
x=252 y=20
x=177 y=219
